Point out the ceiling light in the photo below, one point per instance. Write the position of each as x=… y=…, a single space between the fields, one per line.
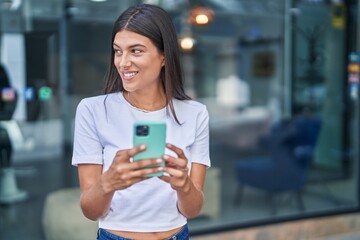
x=200 y=15
x=201 y=19
x=187 y=43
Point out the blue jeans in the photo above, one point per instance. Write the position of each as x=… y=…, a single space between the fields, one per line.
x=102 y=234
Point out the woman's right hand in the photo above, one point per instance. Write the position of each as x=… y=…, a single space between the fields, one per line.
x=123 y=173
x=97 y=188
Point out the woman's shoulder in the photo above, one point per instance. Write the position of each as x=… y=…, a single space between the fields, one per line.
x=188 y=110
x=190 y=105
x=95 y=104
x=99 y=99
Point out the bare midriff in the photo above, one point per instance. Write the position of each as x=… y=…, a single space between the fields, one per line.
x=145 y=235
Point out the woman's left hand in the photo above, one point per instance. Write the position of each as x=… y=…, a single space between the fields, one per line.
x=177 y=169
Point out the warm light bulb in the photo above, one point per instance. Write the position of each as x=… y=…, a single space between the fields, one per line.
x=200 y=15
x=187 y=43
x=201 y=19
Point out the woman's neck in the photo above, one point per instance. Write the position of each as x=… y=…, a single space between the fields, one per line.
x=147 y=102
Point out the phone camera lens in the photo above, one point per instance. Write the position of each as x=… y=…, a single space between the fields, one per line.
x=142 y=130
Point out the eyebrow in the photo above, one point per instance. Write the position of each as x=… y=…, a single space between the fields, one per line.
x=131 y=46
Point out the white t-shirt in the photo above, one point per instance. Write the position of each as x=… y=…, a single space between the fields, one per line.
x=104 y=125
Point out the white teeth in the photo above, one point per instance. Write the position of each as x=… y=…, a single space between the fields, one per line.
x=130 y=74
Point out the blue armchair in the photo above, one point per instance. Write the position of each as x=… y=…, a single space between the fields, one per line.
x=291 y=145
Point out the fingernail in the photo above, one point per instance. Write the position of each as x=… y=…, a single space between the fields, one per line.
x=142 y=146
x=159 y=160
x=166 y=157
x=161 y=169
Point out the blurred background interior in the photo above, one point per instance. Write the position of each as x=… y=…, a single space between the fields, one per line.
x=279 y=77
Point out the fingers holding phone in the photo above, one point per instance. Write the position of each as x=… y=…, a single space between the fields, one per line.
x=176 y=168
x=123 y=172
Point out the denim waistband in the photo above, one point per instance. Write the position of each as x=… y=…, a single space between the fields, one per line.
x=102 y=234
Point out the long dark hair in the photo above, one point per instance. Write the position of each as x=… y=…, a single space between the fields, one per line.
x=154 y=23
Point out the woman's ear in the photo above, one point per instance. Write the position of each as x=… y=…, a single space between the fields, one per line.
x=163 y=62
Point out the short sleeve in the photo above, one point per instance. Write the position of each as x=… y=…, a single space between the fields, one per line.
x=87 y=147
x=200 y=148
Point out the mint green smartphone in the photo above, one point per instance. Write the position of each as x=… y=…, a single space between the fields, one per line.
x=153 y=135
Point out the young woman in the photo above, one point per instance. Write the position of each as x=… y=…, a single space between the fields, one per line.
x=144 y=82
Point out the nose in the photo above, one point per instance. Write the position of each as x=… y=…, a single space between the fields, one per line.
x=125 y=61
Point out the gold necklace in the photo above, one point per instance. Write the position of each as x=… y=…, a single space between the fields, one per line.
x=132 y=104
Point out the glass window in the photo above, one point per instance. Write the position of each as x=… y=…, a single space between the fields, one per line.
x=283 y=112
x=279 y=79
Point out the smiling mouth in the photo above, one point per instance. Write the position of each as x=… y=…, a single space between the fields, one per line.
x=128 y=75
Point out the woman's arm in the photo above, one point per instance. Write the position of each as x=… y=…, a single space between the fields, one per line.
x=189 y=188
x=191 y=198
x=97 y=188
x=95 y=196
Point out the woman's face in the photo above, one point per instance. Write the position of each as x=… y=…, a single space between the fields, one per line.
x=138 y=61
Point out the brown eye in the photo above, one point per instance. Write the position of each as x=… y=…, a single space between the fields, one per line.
x=117 y=52
x=136 y=51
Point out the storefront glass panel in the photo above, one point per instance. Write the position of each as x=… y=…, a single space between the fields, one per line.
x=278 y=78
